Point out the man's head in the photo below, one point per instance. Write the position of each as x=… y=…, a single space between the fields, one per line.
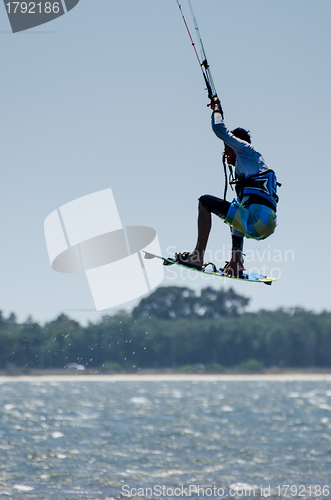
x=242 y=134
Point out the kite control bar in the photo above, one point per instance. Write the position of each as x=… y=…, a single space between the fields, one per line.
x=204 y=64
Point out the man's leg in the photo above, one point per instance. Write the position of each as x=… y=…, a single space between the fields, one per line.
x=236 y=265
x=204 y=227
x=207 y=205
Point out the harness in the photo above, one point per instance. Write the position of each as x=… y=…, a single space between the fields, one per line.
x=263 y=185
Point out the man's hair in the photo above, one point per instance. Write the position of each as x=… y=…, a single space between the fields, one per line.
x=242 y=134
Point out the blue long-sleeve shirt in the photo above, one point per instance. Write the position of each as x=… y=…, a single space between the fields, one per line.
x=249 y=161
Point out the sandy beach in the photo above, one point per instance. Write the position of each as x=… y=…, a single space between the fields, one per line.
x=281 y=377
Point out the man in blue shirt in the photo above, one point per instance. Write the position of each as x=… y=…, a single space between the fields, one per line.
x=253 y=213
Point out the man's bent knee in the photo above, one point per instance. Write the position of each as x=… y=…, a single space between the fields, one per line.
x=215 y=205
x=203 y=201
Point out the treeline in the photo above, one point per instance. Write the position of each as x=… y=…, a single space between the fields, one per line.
x=174 y=327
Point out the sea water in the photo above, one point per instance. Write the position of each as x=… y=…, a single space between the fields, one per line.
x=165 y=439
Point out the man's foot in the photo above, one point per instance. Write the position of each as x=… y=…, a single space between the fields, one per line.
x=235 y=270
x=235 y=267
x=189 y=259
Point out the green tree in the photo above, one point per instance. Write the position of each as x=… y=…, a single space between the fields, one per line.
x=166 y=303
x=181 y=302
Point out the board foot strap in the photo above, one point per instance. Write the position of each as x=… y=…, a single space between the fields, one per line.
x=209 y=264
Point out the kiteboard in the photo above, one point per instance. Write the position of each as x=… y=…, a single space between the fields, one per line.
x=246 y=276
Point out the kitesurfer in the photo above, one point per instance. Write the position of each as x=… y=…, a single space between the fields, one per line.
x=253 y=213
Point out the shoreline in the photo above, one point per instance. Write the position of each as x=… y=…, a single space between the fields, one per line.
x=167 y=377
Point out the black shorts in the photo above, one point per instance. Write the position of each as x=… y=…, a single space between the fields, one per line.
x=215 y=205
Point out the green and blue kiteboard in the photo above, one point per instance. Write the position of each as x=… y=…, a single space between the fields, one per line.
x=246 y=276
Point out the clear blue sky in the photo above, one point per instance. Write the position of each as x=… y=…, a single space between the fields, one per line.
x=110 y=95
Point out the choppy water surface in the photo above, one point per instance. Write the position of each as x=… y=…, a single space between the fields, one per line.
x=87 y=440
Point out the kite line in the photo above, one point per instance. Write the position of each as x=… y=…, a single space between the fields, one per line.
x=205 y=68
x=203 y=63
